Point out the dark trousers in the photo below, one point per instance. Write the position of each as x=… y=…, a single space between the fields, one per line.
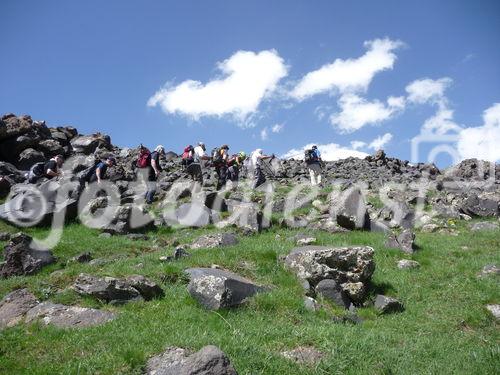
x=221 y=176
x=194 y=170
x=233 y=173
x=258 y=177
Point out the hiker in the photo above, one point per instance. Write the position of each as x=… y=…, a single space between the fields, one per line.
x=50 y=169
x=98 y=171
x=312 y=157
x=234 y=164
x=195 y=167
x=256 y=161
x=219 y=161
x=154 y=172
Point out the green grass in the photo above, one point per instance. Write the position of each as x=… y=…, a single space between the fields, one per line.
x=445 y=328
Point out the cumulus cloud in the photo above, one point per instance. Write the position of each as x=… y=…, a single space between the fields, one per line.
x=277 y=128
x=441 y=123
x=356 y=112
x=351 y=75
x=428 y=90
x=379 y=142
x=264 y=135
x=482 y=142
x=356 y=145
x=246 y=79
x=329 y=152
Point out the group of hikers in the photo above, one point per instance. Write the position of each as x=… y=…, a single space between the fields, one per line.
x=194 y=160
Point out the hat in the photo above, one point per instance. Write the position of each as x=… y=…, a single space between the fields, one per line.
x=242 y=154
x=160 y=148
x=224 y=147
x=314 y=147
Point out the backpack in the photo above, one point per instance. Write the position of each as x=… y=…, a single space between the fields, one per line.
x=38 y=169
x=310 y=156
x=187 y=158
x=217 y=156
x=144 y=159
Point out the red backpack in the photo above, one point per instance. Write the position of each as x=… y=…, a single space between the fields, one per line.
x=144 y=158
x=186 y=155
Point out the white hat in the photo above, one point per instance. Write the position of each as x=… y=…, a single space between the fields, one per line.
x=160 y=148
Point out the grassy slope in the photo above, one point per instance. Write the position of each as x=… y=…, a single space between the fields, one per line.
x=444 y=330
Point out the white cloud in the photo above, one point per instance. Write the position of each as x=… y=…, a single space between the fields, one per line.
x=379 y=142
x=482 y=142
x=356 y=145
x=357 y=112
x=277 y=128
x=264 y=135
x=329 y=152
x=428 y=90
x=351 y=75
x=441 y=123
x=247 y=78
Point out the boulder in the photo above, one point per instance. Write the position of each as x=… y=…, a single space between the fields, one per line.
x=481 y=205
x=63 y=316
x=5 y=236
x=211 y=241
x=85 y=257
x=245 y=215
x=216 y=289
x=87 y=144
x=29 y=157
x=403 y=241
x=22 y=258
x=350 y=210
x=333 y=292
x=488 y=270
x=209 y=360
x=14 y=306
x=190 y=215
x=387 y=305
x=112 y=290
x=353 y=264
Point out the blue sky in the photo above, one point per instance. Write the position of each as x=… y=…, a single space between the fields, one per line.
x=97 y=64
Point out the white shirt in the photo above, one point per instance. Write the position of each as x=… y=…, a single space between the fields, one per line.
x=256 y=159
x=199 y=153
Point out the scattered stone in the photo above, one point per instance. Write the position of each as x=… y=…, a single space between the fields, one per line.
x=189 y=215
x=355 y=291
x=331 y=291
x=311 y=304
x=210 y=360
x=14 y=306
x=137 y=237
x=99 y=262
x=494 y=310
x=211 y=241
x=342 y=264
x=4 y=236
x=481 y=205
x=105 y=235
x=306 y=241
x=116 y=291
x=430 y=228
x=304 y=355
x=216 y=289
x=23 y=259
x=82 y=258
x=404 y=241
x=489 y=269
x=405 y=264
x=68 y=316
x=179 y=252
x=483 y=225
x=387 y=305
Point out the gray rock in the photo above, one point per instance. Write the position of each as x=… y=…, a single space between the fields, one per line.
x=306 y=241
x=387 y=305
x=245 y=215
x=489 y=269
x=304 y=355
x=85 y=257
x=404 y=241
x=29 y=157
x=405 y=264
x=210 y=360
x=352 y=264
x=332 y=291
x=137 y=237
x=5 y=236
x=350 y=210
x=211 y=241
x=112 y=290
x=355 y=291
x=68 y=316
x=483 y=225
x=87 y=144
x=216 y=289
x=494 y=310
x=482 y=205
x=190 y=215
x=311 y=304
x=23 y=259
x=14 y=306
